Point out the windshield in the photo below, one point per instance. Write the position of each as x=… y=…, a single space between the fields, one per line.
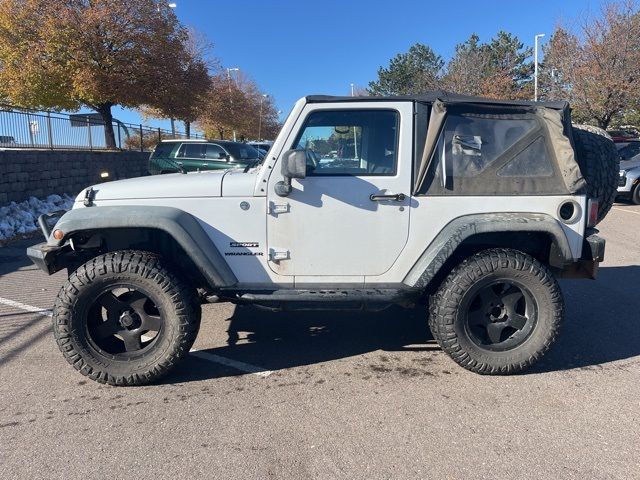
x=629 y=151
x=242 y=151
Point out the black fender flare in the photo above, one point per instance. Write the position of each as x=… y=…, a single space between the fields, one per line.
x=183 y=227
x=458 y=230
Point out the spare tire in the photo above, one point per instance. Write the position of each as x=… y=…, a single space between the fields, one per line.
x=599 y=163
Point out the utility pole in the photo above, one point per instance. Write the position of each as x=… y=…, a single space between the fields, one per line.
x=535 y=66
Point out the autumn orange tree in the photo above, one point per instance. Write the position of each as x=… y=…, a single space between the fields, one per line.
x=596 y=66
x=98 y=53
x=180 y=96
x=237 y=105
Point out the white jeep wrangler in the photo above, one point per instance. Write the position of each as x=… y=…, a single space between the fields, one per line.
x=473 y=206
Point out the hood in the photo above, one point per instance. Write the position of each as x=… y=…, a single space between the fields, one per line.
x=630 y=164
x=174 y=185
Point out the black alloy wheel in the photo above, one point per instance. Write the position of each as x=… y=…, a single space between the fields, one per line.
x=123 y=322
x=500 y=315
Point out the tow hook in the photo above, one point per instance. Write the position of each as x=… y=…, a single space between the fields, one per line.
x=89 y=195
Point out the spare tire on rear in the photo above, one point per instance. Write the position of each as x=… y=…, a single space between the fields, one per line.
x=598 y=159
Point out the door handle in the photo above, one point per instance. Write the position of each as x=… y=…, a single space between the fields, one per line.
x=398 y=197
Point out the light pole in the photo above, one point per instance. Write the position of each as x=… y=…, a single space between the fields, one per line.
x=260 y=120
x=355 y=134
x=535 y=66
x=229 y=70
x=170 y=5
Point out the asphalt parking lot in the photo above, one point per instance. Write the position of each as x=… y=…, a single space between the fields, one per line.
x=331 y=395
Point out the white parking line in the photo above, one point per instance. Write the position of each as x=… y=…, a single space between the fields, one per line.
x=241 y=366
x=625 y=210
x=28 y=308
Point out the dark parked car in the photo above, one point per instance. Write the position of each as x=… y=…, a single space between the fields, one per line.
x=623 y=135
x=262 y=145
x=171 y=156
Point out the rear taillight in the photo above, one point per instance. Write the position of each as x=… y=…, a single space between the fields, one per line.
x=592 y=212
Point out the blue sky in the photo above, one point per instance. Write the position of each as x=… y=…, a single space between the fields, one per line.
x=295 y=48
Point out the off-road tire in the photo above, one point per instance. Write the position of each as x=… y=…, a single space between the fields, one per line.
x=635 y=195
x=447 y=324
x=176 y=299
x=597 y=157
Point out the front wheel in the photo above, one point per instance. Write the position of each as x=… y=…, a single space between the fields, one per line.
x=123 y=318
x=498 y=312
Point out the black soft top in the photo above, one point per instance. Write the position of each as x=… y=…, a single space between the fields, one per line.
x=443 y=96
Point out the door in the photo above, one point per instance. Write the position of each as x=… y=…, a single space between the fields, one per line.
x=190 y=156
x=350 y=215
x=215 y=157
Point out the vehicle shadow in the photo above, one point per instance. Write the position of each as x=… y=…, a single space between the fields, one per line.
x=13 y=256
x=602 y=325
x=280 y=340
x=602 y=322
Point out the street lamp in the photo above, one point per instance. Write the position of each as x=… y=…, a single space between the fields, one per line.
x=264 y=95
x=229 y=70
x=535 y=66
x=170 y=5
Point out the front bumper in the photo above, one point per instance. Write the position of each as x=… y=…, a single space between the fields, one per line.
x=44 y=256
x=48 y=258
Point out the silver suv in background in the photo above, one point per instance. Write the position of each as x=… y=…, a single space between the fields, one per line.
x=629 y=153
x=629 y=182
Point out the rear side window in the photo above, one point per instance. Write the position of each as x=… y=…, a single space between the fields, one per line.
x=163 y=150
x=192 y=150
x=533 y=161
x=493 y=154
x=474 y=143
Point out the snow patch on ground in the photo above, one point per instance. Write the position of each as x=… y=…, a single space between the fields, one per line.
x=18 y=219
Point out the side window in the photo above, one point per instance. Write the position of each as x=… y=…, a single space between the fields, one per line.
x=350 y=142
x=473 y=143
x=533 y=161
x=214 y=152
x=192 y=150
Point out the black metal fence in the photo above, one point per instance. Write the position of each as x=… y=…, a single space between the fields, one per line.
x=49 y=130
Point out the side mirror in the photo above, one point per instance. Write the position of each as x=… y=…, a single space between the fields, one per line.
x=294 y=165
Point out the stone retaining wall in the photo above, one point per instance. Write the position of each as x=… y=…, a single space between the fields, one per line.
x=38 y=173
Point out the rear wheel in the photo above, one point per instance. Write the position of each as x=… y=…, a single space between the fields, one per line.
x=498 y=312
x=124 y=319
x=635 y=195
